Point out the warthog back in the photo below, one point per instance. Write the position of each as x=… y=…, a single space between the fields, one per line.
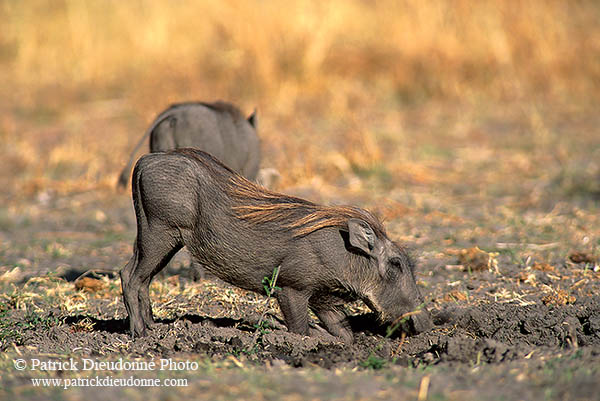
x=217 y=128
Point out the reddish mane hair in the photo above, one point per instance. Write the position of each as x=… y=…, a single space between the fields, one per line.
x=259 y=205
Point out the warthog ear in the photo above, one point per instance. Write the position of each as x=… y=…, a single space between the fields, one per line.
x=253 y=119
x=361 y=236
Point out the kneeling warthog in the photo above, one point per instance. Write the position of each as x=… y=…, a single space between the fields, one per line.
x=217 y=128
x=327 y=255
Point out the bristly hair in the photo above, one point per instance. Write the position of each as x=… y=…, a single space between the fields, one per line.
x=259 y=205
x=225 y=107
x=218 y=106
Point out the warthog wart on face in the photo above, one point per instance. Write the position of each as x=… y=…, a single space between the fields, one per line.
x=217 y=128
x=240 y=232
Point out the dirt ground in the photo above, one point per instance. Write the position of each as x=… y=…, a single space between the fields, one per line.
x=213 y=319
x=512 y=284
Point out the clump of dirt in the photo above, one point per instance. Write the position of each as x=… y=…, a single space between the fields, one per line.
x=559 y=297
x=544 y=267
x=583 y=257
x=475 y=259
x=89 y=284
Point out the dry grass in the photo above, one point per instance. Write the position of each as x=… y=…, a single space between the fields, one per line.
x=81 y=80
x=419 y=111
x=260 y=49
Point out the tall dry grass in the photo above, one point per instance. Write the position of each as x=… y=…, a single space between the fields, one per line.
x=306 y=64
x=260 y=48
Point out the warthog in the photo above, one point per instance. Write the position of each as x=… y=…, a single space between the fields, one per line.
x=217 y=128
x=241 y=232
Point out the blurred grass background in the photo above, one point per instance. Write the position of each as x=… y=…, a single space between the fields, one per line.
x=348 y=92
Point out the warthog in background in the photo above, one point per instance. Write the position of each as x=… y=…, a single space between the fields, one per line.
x=241 y=232
x=217 y=128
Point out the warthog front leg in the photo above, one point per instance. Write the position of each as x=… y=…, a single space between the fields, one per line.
x=294 y=306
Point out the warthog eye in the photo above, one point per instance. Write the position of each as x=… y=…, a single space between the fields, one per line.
x=397 y=263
